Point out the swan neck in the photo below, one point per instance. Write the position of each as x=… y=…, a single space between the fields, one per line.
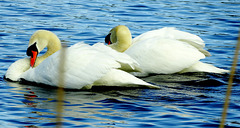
x=121 y=38
x=53 y=45
x=124 y=43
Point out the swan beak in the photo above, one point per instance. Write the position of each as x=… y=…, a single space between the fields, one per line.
x=107 y=39
x=32 y=51
x=33 y=58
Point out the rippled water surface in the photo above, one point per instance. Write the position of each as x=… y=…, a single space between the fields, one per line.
x=184 y=100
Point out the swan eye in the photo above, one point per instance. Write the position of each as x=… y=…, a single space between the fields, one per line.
x=107 y=39
x=33 y=47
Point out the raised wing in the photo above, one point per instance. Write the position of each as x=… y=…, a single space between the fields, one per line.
x=174 y=34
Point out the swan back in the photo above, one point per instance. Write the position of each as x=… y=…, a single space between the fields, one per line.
x=164 y=56
x=174 y=34
x=16 y=69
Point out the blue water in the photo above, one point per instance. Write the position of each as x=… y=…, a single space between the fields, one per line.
x=192 y=100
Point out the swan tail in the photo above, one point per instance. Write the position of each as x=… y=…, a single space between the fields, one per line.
x=204 y=67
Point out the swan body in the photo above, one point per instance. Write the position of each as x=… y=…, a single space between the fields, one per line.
x=162 y=51
x=84 y=65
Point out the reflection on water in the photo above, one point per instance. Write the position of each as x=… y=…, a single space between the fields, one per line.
x=80 y=107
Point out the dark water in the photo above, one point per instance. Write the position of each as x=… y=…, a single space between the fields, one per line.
x=184 y=101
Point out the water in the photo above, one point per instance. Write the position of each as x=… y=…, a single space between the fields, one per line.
x=184 y=100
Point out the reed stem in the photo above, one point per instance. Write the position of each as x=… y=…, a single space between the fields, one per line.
x=230 y=81
x=60 y=91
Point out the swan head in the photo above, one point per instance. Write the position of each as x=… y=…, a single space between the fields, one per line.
x=38 y=41
x=119 y=38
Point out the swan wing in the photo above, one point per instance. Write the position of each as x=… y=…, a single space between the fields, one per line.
x=165 y=56
x=127 y=63
x=173 y=33
x=84 y=65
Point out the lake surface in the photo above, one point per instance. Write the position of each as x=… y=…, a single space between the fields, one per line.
x=192 y=100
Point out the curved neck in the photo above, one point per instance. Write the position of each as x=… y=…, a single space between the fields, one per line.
x=53 y=45
x=121 y=38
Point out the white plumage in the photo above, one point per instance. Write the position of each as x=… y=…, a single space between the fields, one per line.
x=163 y=51
x=85 y=66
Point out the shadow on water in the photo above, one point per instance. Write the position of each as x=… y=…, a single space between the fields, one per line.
x=188 y=80
x=171 y=86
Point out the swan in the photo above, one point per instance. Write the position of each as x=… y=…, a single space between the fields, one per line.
x=162 y=51
x=84 y=65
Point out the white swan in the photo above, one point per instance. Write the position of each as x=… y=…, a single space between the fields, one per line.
x=162 y=51
x=85 y=66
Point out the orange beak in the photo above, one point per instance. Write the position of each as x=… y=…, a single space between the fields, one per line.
x=109 y=42
x=33 y=58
